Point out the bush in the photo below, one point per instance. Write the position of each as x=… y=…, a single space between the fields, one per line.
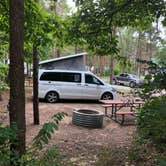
x=151 y=120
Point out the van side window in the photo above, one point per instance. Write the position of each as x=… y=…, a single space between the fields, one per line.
x=92 y=80
x=51 y=76
x=61 y=76
x=71 y=77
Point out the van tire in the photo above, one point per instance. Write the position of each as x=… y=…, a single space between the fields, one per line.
x=107 y=96
x=52 y=97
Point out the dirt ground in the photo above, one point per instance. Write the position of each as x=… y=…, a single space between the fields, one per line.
x=80 y=143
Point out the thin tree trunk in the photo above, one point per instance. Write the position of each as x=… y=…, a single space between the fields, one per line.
x=35 y=86
x=58 y=53
x=113 y=33
x=16 y=74
x=76 y=49
x=150 y=46
x=27 y=66
x=138 y=54
x=121 y=52
x=56 y=13
x=111 y=69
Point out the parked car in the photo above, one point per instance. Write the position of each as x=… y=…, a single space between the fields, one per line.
x=127 y=79
x=65 y=84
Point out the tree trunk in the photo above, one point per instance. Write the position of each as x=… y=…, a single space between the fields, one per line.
x=76 y=49
x=58 y=53
x=16 y=74
x=113 y=33
x=35 y=86
x=111 y=69
x=138 y=54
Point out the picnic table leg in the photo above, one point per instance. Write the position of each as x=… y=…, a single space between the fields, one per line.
x=113 y=109
x=123 y=118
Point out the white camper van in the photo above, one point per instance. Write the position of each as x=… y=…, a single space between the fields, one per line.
x=65 y=84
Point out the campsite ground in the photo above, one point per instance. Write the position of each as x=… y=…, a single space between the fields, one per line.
x=79 y=144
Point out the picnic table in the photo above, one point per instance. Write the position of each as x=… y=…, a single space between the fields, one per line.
x=117 y=105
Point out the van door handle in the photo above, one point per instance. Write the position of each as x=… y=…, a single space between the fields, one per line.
x=86 y=84
x=49 y=82
x=79 y=84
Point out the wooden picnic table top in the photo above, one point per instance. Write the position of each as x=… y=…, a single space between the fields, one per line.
x=121 y=101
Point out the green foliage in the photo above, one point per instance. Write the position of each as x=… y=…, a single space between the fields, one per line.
x=162 y=161
x=151 y=120
x=31 y=158
x=3 y=77
x=161 y=56
x=51 y=157
x=7 y=136
x=96 y=21
x=154 y=84
x=44 y=134
x=42 y=28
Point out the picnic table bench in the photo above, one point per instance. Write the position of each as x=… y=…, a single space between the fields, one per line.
x=116 y=105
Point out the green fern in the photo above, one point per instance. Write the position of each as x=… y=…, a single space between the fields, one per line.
x=44 y=134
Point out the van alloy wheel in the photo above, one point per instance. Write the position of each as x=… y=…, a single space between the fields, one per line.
x=107 y=96
x=52 y=97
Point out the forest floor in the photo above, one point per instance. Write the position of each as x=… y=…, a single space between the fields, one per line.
x=79 y=144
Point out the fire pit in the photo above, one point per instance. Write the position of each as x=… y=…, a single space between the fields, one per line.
x=88 y=118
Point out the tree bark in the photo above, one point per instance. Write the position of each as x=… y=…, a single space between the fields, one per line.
x=111 y=69
x=16 y=74
x=113 y=33
x=76 y=49
x=35 y=87
x=138 y=55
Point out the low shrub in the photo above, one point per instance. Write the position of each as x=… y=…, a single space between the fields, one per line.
x=151 y=120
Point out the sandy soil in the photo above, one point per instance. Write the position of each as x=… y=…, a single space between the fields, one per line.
x=74 y=140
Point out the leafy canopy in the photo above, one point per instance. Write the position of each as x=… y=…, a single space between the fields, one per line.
x=96 y=21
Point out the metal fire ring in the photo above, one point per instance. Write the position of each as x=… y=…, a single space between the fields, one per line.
x=88 y=118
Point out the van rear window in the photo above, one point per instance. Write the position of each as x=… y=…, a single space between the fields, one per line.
x=61 y=76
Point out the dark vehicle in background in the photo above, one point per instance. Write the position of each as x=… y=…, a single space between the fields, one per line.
x=127 y=79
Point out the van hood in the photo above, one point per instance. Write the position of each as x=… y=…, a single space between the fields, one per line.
x=111 y=87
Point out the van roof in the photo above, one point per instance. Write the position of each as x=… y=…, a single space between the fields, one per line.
x=63 y=58
x=58 y=70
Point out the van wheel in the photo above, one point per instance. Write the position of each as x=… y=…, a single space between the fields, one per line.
x=52 y=97
x=107 y=96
